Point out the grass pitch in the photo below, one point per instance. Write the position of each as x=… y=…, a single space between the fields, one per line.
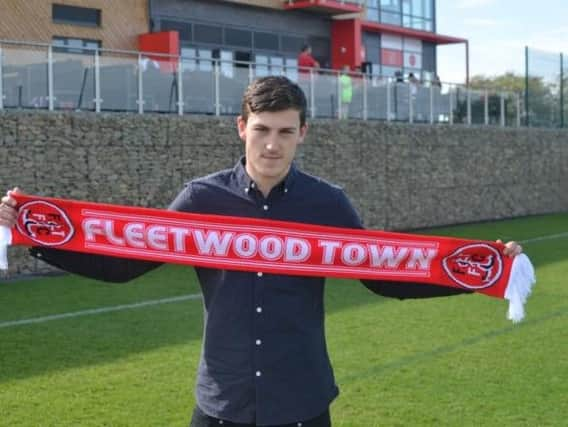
x=441 y=362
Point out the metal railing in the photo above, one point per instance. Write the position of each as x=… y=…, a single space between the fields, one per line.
x=38 y=76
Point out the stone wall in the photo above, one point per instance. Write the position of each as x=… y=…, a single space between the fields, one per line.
x=399 y=176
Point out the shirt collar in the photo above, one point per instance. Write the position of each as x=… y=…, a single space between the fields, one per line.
x=245 y=182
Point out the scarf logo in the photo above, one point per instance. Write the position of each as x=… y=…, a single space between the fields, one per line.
x=474 y=266
x=44 y=223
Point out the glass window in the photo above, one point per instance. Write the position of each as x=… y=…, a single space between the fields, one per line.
x=205 y=59
x=86 y=16
x=208 y=34
x=188 y=62
x=226 y=57
x=392 y=5
x=418 y=7
x=292 y=44
x=70 y=45
x=261 y=65
x=390 y=18
x=234 y=37
x=183 y=28
x=372 y=14
x=266 y=41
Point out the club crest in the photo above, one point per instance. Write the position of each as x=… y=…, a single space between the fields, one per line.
x=474 y=266
x=44 y=223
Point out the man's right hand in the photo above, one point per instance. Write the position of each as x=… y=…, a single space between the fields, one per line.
x=8 y=213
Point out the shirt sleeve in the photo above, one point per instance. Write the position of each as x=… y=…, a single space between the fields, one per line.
x=103 y=267
x=392 y=289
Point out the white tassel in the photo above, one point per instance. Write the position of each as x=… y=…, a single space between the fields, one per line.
x=5 y=241
x=520 y=285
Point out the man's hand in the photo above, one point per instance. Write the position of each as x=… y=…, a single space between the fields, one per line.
x=8 y=213
x=512 y=249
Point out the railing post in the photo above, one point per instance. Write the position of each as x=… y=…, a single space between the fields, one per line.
x=50 y=78
x=389 y=113
x=365 y=100
x=468 y=97
x=502 y=109
x=217 y=89
x=180 y=102
x=312 y=96
x=486 y=107
x=451 y=100
x=97 y=99
x=140 y=100
x=518 y=98
x=1 y=80
x=431 y=103
x=410 y=105
x=251 y=73
x=339 y=90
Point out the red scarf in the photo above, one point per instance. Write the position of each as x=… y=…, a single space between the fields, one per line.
x=251 y=244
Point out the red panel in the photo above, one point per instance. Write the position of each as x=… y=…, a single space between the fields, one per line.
x=164 y=42
x=346 y=43
x=325 y=6
x=408 y=32
x=391 y=57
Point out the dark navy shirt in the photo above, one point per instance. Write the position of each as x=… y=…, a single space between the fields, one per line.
x=264 y=358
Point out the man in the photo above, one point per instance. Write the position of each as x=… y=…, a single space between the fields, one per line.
x=306 y=61
x=264 y=359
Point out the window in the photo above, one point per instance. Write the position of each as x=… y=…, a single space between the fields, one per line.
x=241 y=38
x=183 y=28
x=63 y=14
x=292 y=44
x=70 y=45
x=208 y=34
x=266 y=41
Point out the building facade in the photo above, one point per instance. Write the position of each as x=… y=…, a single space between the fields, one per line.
x=380 y=37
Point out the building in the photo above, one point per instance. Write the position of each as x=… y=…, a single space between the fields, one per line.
x=380 y=37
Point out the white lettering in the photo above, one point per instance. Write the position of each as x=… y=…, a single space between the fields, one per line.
x=245 y=245
x=179 y=238
x=386 y=254
x=297 y=250
x=158 y=237
x=211 y=242
x=134 y=235
x=271 y=247
x=329 y=248
x=353 y=254
x=421 y=258
x=92 y=227
x=109 y=231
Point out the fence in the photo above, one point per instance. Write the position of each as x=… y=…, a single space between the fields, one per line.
x=41 y=76
x=546 y=88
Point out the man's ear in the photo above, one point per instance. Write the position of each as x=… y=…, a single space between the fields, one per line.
x=242 y=127
x=303 y=132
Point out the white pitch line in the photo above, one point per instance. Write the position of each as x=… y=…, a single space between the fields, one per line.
x=98 y=310
x=169 y=300
x=549 y=237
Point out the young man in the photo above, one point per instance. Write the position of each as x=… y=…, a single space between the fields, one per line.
x=264 y=359
x=306 y=61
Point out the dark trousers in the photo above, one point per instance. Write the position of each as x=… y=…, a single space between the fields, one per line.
x=200 y=419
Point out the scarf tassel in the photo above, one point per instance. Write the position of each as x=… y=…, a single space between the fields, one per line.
x=519 y=287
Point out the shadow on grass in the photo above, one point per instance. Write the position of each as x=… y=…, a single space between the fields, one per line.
x=98 y=338
x=421 y=357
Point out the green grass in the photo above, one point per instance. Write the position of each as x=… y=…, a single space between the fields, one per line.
x=441 y=362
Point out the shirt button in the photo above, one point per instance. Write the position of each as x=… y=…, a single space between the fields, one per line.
x=246 y=190
x=285 y=190
x=220 y=421
x=265 y=207
x=259 y=309
x=259 y=274
x=258 y=373
x=258 y=342
x=252 y=185
x=299 y=424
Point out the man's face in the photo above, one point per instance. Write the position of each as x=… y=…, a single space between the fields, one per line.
x=270 y=140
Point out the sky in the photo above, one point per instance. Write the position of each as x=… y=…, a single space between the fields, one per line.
x=498 y=31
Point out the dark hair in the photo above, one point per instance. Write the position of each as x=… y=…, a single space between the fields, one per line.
x=305 y=47
x=274 y=93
